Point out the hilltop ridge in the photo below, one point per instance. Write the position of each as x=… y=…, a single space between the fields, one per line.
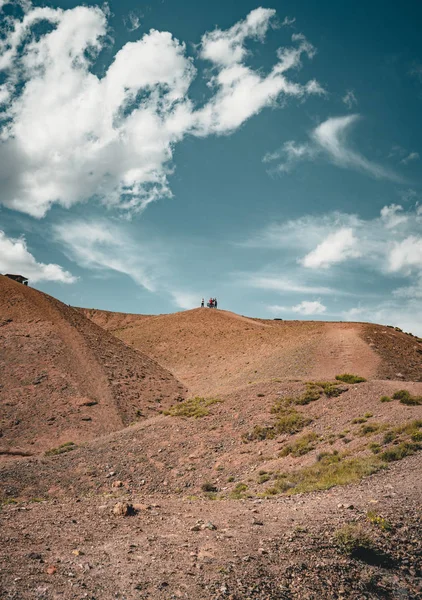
x=213 y=351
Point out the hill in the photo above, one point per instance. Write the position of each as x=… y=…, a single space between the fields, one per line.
x=278 y=482
x=63 y=378
x=213 y=351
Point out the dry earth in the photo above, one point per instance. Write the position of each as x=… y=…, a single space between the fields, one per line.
x=63 y=378
x=205 y=523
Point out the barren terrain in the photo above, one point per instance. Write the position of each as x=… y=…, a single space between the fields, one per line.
x=276 y=481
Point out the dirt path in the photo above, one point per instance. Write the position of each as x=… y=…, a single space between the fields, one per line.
x=342 y=350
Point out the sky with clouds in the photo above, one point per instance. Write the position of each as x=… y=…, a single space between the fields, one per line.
x=269 y=155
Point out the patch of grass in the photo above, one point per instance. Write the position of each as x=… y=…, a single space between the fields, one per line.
x=406 y=397
x=264 y=477
x=375 y=448
x=331 y=388
x=288 y=420
x=67 y=447
x=371 y=428
x=401 y=451
x=6 y=501
x=230 y=478
x=349 y=378
x=195 y=408
x=352 y=539
x=208 y=487
x=359 y=420
x=385 y=399
x=368 y=415
x=301 y=446
x=329 y=471
x=379 y=521
x=239 y=492
x=402 y=432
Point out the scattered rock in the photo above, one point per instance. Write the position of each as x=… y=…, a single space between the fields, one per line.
x=123 y=509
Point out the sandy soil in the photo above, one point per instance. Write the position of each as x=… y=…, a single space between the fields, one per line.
x=63 y=378
x=60 y=537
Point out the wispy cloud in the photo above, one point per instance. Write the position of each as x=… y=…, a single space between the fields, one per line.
x=283 y=285
x=16 y=258
x=349 y=99
x=410 y=158
x=329 y=140
x=68 y=135
x=314 y=307
x=102 y=245
x=288 y=21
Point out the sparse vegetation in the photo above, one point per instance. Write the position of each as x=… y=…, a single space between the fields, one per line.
x=359 y=420
x=239 y=492
x=352 y=539
x=67 y=447
x=370 y=429
x=379 y=521
x=406 y=397
x=349 y=378
x=288 y=420
x=301 y=446
x=195 y=408
x=385 y=399
x=330 y=470
x=208 y=487
x=264 y=477
x=401 y=451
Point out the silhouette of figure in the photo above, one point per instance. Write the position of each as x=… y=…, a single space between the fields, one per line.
x=202 y=303
x=215 y=302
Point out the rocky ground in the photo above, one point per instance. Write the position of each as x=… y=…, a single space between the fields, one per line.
x=145 y=500
x=201 y=549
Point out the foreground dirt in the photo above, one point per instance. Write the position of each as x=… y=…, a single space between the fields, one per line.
x=268 y=549
x=63 y=378
x=215 y=352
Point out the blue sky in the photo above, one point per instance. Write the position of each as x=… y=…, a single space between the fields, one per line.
x=269 y=155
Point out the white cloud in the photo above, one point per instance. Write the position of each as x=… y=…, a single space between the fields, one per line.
x=69 y=135
x=16 y=258
x=284 y=285
x=306 y=307
x=102 y=245
x=329 y=140
x=391 y=216
x=406 y=255
x=288 y=21
x=132 y=21
x=186 y=300
x=410 y=157
x=310 y=308
x=350 y=99
x=337 y=247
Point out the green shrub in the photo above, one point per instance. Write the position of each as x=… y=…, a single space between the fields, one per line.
x=239 y=492
x=264 y=477
x=406 y=397
x=385 y=399
x=401 y=451
x=301 y=446
x=328 y=472
x=379 y=521
x=375 y=448
x=349 y=378
x=193 y=407
x=67 y=447
x=208 y=487
x=370 y=428
x=359 y=420
x=352 y=539
x=287 y=420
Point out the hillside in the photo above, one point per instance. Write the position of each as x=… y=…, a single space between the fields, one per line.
x=63 y=378
x=279 y=482
x=214 y=351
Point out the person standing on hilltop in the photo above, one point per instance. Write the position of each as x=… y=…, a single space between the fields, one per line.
x=202 y=303
x=215 y=302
